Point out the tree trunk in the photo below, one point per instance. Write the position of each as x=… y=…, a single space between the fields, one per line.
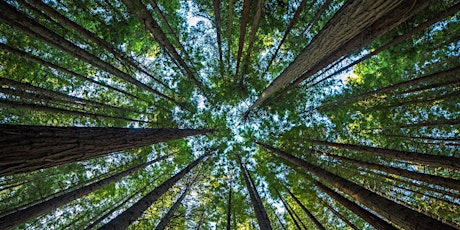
x=425 y=159
x=243 y=29
x=356 y=24
x=22 y=22
x=170 y=214
x=309 y=214
x=23 y=215
x=28 y=148
x=398 y=214
x=145 y=17
x=216 y=8
x=288 y=209
x=343 y=218
x=370 y=218
x=131 y=214
x=92 y=37
x=252 y=37
x=259 y=210
x=229 y=208
x=37 y=60
x=423 y=177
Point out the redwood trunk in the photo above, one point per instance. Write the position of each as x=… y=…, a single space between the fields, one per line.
x=243 y=29
x=309 y=214
x=131 y=214
x=399 y=215
x=23 y=215
x=170 y=214
x=27 y=148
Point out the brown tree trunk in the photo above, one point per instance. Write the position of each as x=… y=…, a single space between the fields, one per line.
x=425 y=159
x=22 y=22
x=398 y=214
x=370 y=218
x=92 y=37
x=423 y=177
x=28 y=213
x=216 y=8
x=37 y=60
x=288 y=209
x=339 y=215
x=252 y=37
x=170 y=214
x=309 y=214
x=27 y=148
x=243 y=29
x=356 y=24
x=259 y=210
x=229 y=208
x=131 y=214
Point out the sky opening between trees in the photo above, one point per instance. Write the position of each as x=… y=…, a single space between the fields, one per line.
x=237 y=114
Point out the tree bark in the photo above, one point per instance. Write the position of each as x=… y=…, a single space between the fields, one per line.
x=259 y=210
x=27 y=148
x=23 y=215
x=370 y=218
x=243 y=29
x=22 y=22
x=252 y=37
x=398 y=214
x=339 y=215
x=125 y=219
x=423 y=177
x=229 y=208
x=425 y=159
x=170 y=214
x=356 y=24
x=309 y=214
x=216 y=9
x=288 y=209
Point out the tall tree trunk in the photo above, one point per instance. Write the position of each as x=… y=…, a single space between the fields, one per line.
x=144 y=16
x=252 y=37
x=309 y=214
x=288 y=209
x=259 y=210
x=170 y=214
x=352 y=27
x=425 y=159
x=23 y=215
x=37 y=60
x=92 y=37
x=423 y=177
x=231 y=9
x=9 y=15
x=339 y=215
x=131 y=214
x=398 y=214
x=370 y=218
x=216 y=8
x=243 y=29
x=27 y=148
x=229 y=208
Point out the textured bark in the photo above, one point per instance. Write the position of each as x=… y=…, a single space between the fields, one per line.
x=125 y=219
x=339 y=215
x=216 y=9
x=9 y=15
x=259 y=210
x=144 y=16
x=412 y=82
x=92 y=37
x=425 y=159
x=170 y=214
x=28 y=148
x=252 y=38
x=23 y=215
x=288 y=209
x=231 y=9
x=370 y=218
x=37 y=60
x=243 y=29
x=26 y=88
x=398 y=214
x=356 y=24
x=423 y=177
x=309 y=214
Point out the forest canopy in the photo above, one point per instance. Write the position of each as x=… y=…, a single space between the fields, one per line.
x=237 y=114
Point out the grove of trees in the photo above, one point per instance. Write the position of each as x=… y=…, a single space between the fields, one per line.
x=237 y=114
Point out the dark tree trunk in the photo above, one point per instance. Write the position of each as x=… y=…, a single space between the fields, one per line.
x=243 y=29
x=399 y=215
x=425 y=159
x=309 y=214
x=259 y=210
x=27 y=148
x=28 y=213
x=229 y=208
x=131 y=214
x=252 y=37
x=216 y=8
x=170 y=214
x=339 y=215
x=370 y=218
x=289 y=210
